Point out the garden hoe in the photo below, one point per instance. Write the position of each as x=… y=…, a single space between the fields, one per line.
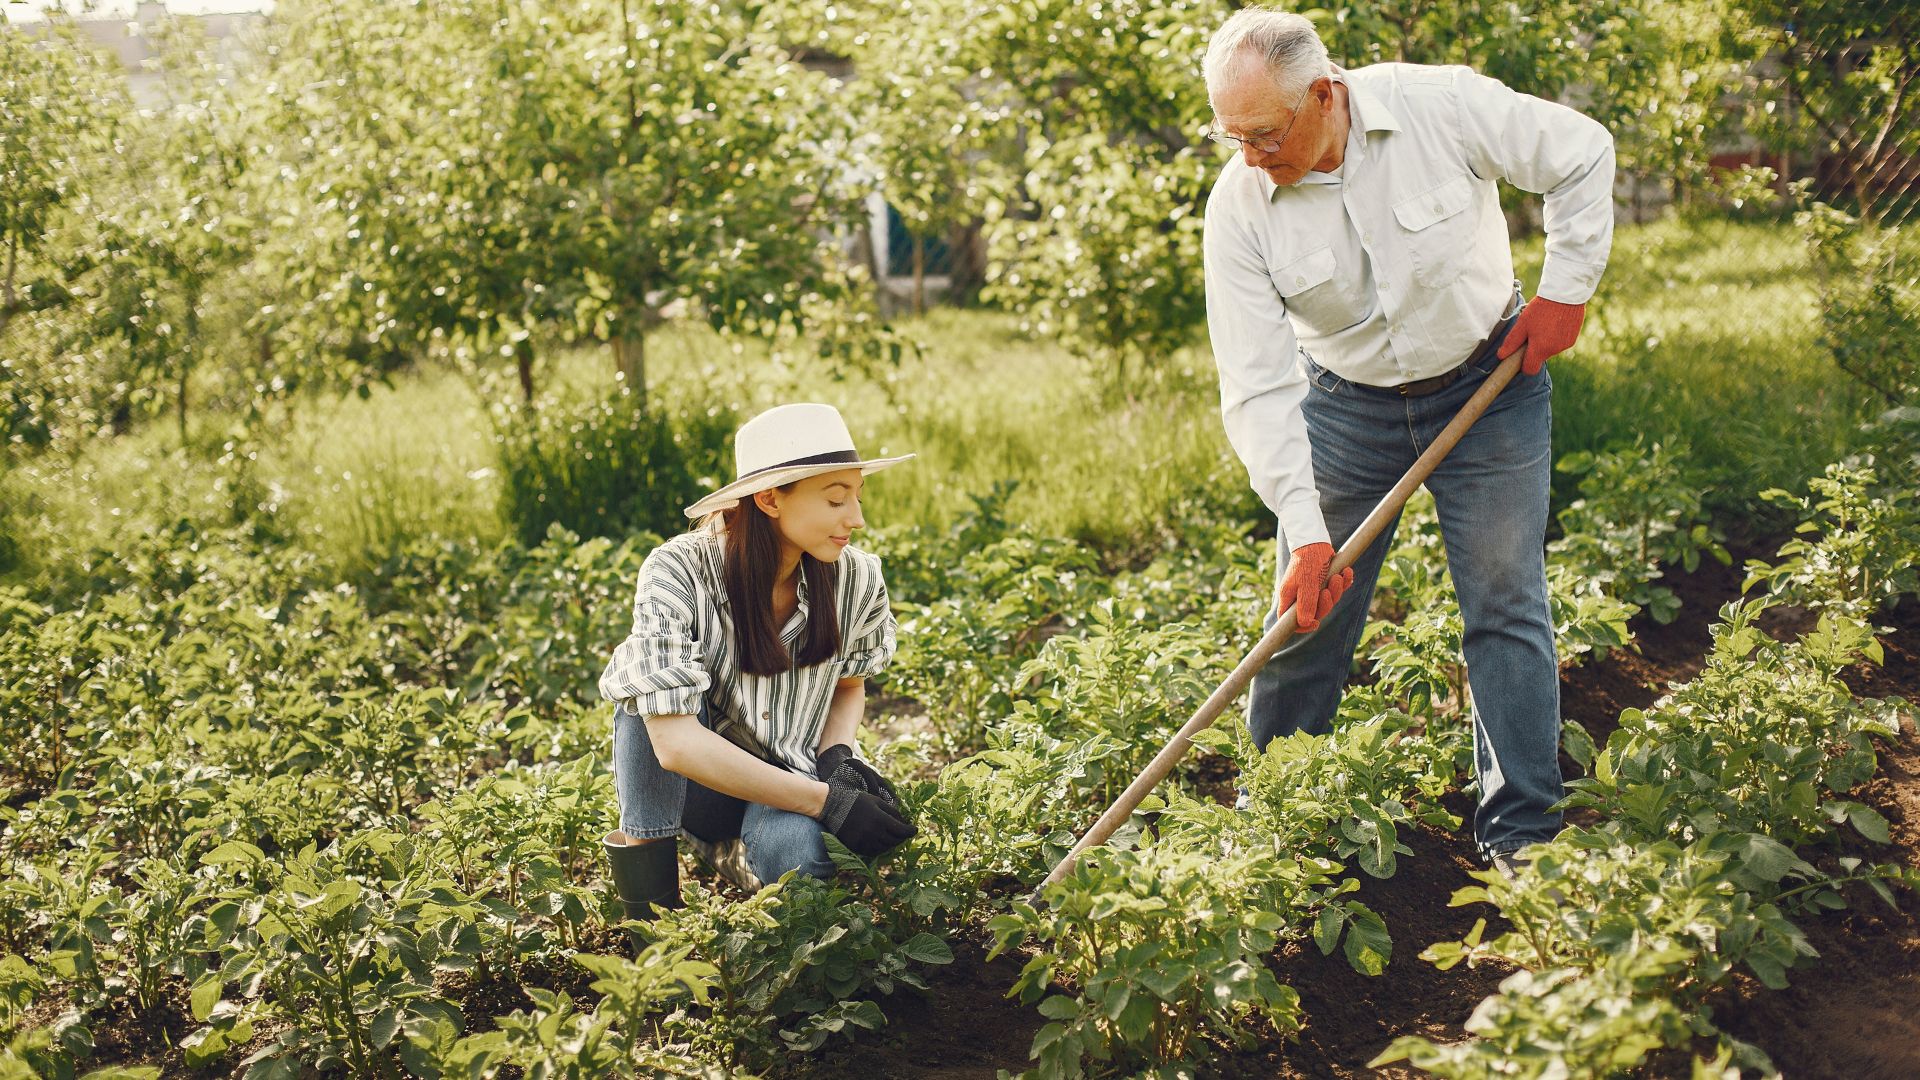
x=1236 y=683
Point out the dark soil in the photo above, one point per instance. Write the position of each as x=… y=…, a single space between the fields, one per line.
x=1350 y=1017
x=1854 y=1013
x=964 y=1027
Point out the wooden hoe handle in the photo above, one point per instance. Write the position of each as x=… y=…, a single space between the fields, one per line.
x=1236 y=683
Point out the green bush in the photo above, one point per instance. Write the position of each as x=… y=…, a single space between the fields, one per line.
x=607 y=466
x=1869 y=310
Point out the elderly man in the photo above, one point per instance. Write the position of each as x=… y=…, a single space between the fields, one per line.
x=1359 y=290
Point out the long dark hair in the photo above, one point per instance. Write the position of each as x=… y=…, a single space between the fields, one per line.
x=752 y=559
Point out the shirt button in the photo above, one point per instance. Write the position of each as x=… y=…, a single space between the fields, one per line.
x=1437 y=208
x=766 y=716
x=1299 y=279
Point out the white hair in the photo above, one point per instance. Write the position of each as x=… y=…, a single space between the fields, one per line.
x=1286 y=44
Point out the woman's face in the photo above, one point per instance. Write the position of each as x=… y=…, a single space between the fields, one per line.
x=818 y=514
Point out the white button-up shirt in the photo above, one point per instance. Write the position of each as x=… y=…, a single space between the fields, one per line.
x=1397 y=265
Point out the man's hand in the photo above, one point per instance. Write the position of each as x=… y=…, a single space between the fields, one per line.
x=1546 y=328
x=1307 y=586
x=830 y=760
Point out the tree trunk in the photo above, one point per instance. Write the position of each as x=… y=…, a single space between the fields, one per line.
x=919 y=275
x=630 y=356
x=6 y=297
x=185 y=369
x=1863 y=174
x=868 y=256
x=523 y=359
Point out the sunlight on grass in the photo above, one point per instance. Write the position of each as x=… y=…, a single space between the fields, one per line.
x=1703 y=334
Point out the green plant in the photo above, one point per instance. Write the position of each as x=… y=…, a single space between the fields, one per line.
x=962 y=655
x=1160 y=946
x=1638 y=513
x=1559 y=1023
x=344 y=964
x=556 y=1040
x=607 y=465
x=1129 y=684
x=1858 y=547
x=1765 y=740
x=790 y=965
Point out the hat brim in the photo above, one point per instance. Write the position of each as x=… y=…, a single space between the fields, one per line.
x=731 y=495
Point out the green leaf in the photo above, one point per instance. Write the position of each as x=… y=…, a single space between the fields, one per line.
x=1766 y=858
x=928 y=949
x=1869 y=823
x=232 y=852
x=1060 y=1007
x=205 y=995
x=1326 y=928
x=1368 y=945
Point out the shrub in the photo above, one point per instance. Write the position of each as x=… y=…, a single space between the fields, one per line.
x=608 y=466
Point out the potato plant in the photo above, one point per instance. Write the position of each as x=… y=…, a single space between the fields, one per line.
x=1857 y=547
x=1767 y=740
x=303 y=811
x=1622 y=928
x=1163 y=945
x=1639 y=513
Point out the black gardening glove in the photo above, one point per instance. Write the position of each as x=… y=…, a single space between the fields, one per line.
x=862 y=821
x=830 y=760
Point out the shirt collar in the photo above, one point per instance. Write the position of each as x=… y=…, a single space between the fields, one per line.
x=1367 y=112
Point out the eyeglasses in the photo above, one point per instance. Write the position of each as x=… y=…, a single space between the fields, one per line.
x=1264 y=145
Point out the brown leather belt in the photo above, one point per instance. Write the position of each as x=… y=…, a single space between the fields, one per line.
x=1435 y=384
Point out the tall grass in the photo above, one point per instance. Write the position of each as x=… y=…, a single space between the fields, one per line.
x=1703 y=333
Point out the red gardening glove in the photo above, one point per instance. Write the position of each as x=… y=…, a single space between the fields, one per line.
x=1547 y=328
x=1308 y=588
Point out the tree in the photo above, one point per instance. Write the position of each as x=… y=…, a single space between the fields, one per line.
x=1843 y=83
x=60 y=101
x=578 y=170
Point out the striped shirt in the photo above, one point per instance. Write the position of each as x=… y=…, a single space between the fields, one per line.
x=681 y=650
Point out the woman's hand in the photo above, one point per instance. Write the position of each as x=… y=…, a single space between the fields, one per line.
x=860 y=819
x=833 y=757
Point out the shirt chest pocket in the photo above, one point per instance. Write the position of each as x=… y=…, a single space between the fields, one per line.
x=1438 y=228
x=1315 y=300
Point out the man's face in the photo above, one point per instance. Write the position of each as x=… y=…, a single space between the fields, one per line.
x=1250 y=106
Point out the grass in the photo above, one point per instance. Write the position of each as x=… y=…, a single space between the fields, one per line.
x=1703 y=334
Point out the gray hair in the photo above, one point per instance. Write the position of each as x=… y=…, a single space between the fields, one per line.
x=1287 y=44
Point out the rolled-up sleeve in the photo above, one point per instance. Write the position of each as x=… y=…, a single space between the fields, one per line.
x=657 y=670
x=1551 y=150
x=870 y=649
x=1261 y=385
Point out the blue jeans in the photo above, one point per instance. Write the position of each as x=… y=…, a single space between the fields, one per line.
x=1491 y=492
x=653 y=801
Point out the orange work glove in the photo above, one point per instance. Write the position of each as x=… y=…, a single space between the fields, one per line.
x=1547 y=328
x=1308 y=588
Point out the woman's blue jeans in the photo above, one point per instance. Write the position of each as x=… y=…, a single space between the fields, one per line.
x=653 y=799
x=1491 y=492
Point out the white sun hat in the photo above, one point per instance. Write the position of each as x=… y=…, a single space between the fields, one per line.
x=784 y=444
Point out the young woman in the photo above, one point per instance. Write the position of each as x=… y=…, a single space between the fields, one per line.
x=740 y=688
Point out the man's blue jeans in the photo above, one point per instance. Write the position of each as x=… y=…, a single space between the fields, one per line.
x=653 y=799
x=1491 y=492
